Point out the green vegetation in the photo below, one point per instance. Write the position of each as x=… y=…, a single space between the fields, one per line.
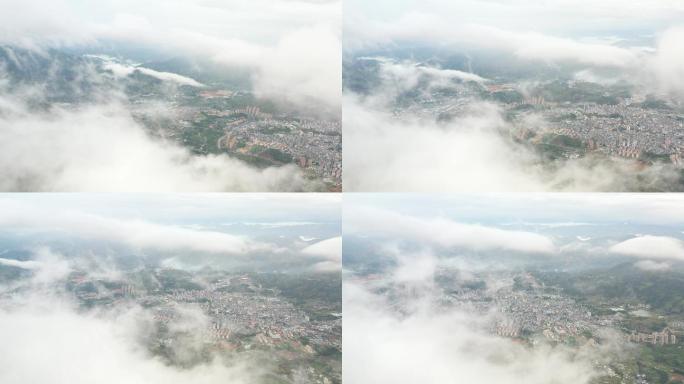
x=318 y=294
x=509 y=97
x=653 y=103
x=273 y=130
x=654 y=158
x=172 y=279
x=583 y=92
x=520 y=284
x=361 y=76
x=273 y=154
x=562 y=141
x=660 y=362
x=627 y=287
x=623 y=284
x=552 y=146
x=644 y=324
x=8 y=273
x=563 y=117
x=204 y=135
x=254 y=161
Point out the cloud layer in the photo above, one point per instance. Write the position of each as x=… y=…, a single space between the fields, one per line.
x=383 y=346
x=474 y=150
x=288 y=50
x=51 y=342
x=329 y=251
x=416 y=320
x=68 y=260
x=280 y=43
x=102 y=148
x=443 y=232
x=651 y=247
x=133 y=232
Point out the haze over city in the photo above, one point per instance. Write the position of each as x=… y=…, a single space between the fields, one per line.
x=515 y=288
x=332 y=191
x=170 y=288
x=182 y=96
x=513 y=96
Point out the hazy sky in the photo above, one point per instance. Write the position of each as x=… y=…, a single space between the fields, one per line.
x=627 y=226
x=583 y=18
x=72 y=21
x=200 y=207
x=212 y=230
x=291 y=48
x=664 y=209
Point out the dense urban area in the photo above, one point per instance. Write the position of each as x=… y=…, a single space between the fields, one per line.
x=217 y=114
x=214 y=121
x=541 y=308
x=561 y=116
x=292 y=322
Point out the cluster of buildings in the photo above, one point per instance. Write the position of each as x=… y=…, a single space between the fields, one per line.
x=554 y=316
x=520 y=312
x=528 y=310
x=238 y=315
x=314 y=145
x=250 y=111
x=238 y=310
x=626 y=129
x=664 y=337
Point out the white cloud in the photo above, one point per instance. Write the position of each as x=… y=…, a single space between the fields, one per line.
x=587 y=209
x=465 y=155
x=123 y=70
x=650 y=265
x=541 y=47
x=667 y=65
x=545 y=48
x=428 y=20
x=131 y=232
x=280 y=224
x=52 y=266
x=27 y=264
x=474 y=152
x=84 y=348
x=291 y=48
x=651 y=247
x=102 y=148
x=404 y=76
x=443 y=232
x=329 y=250
x=48 y=328
x=523 y=43
x=305 y=69
x=560 y=15
x=554 y=32
x=416 y=268
x=47 y=266
x=382 y=345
